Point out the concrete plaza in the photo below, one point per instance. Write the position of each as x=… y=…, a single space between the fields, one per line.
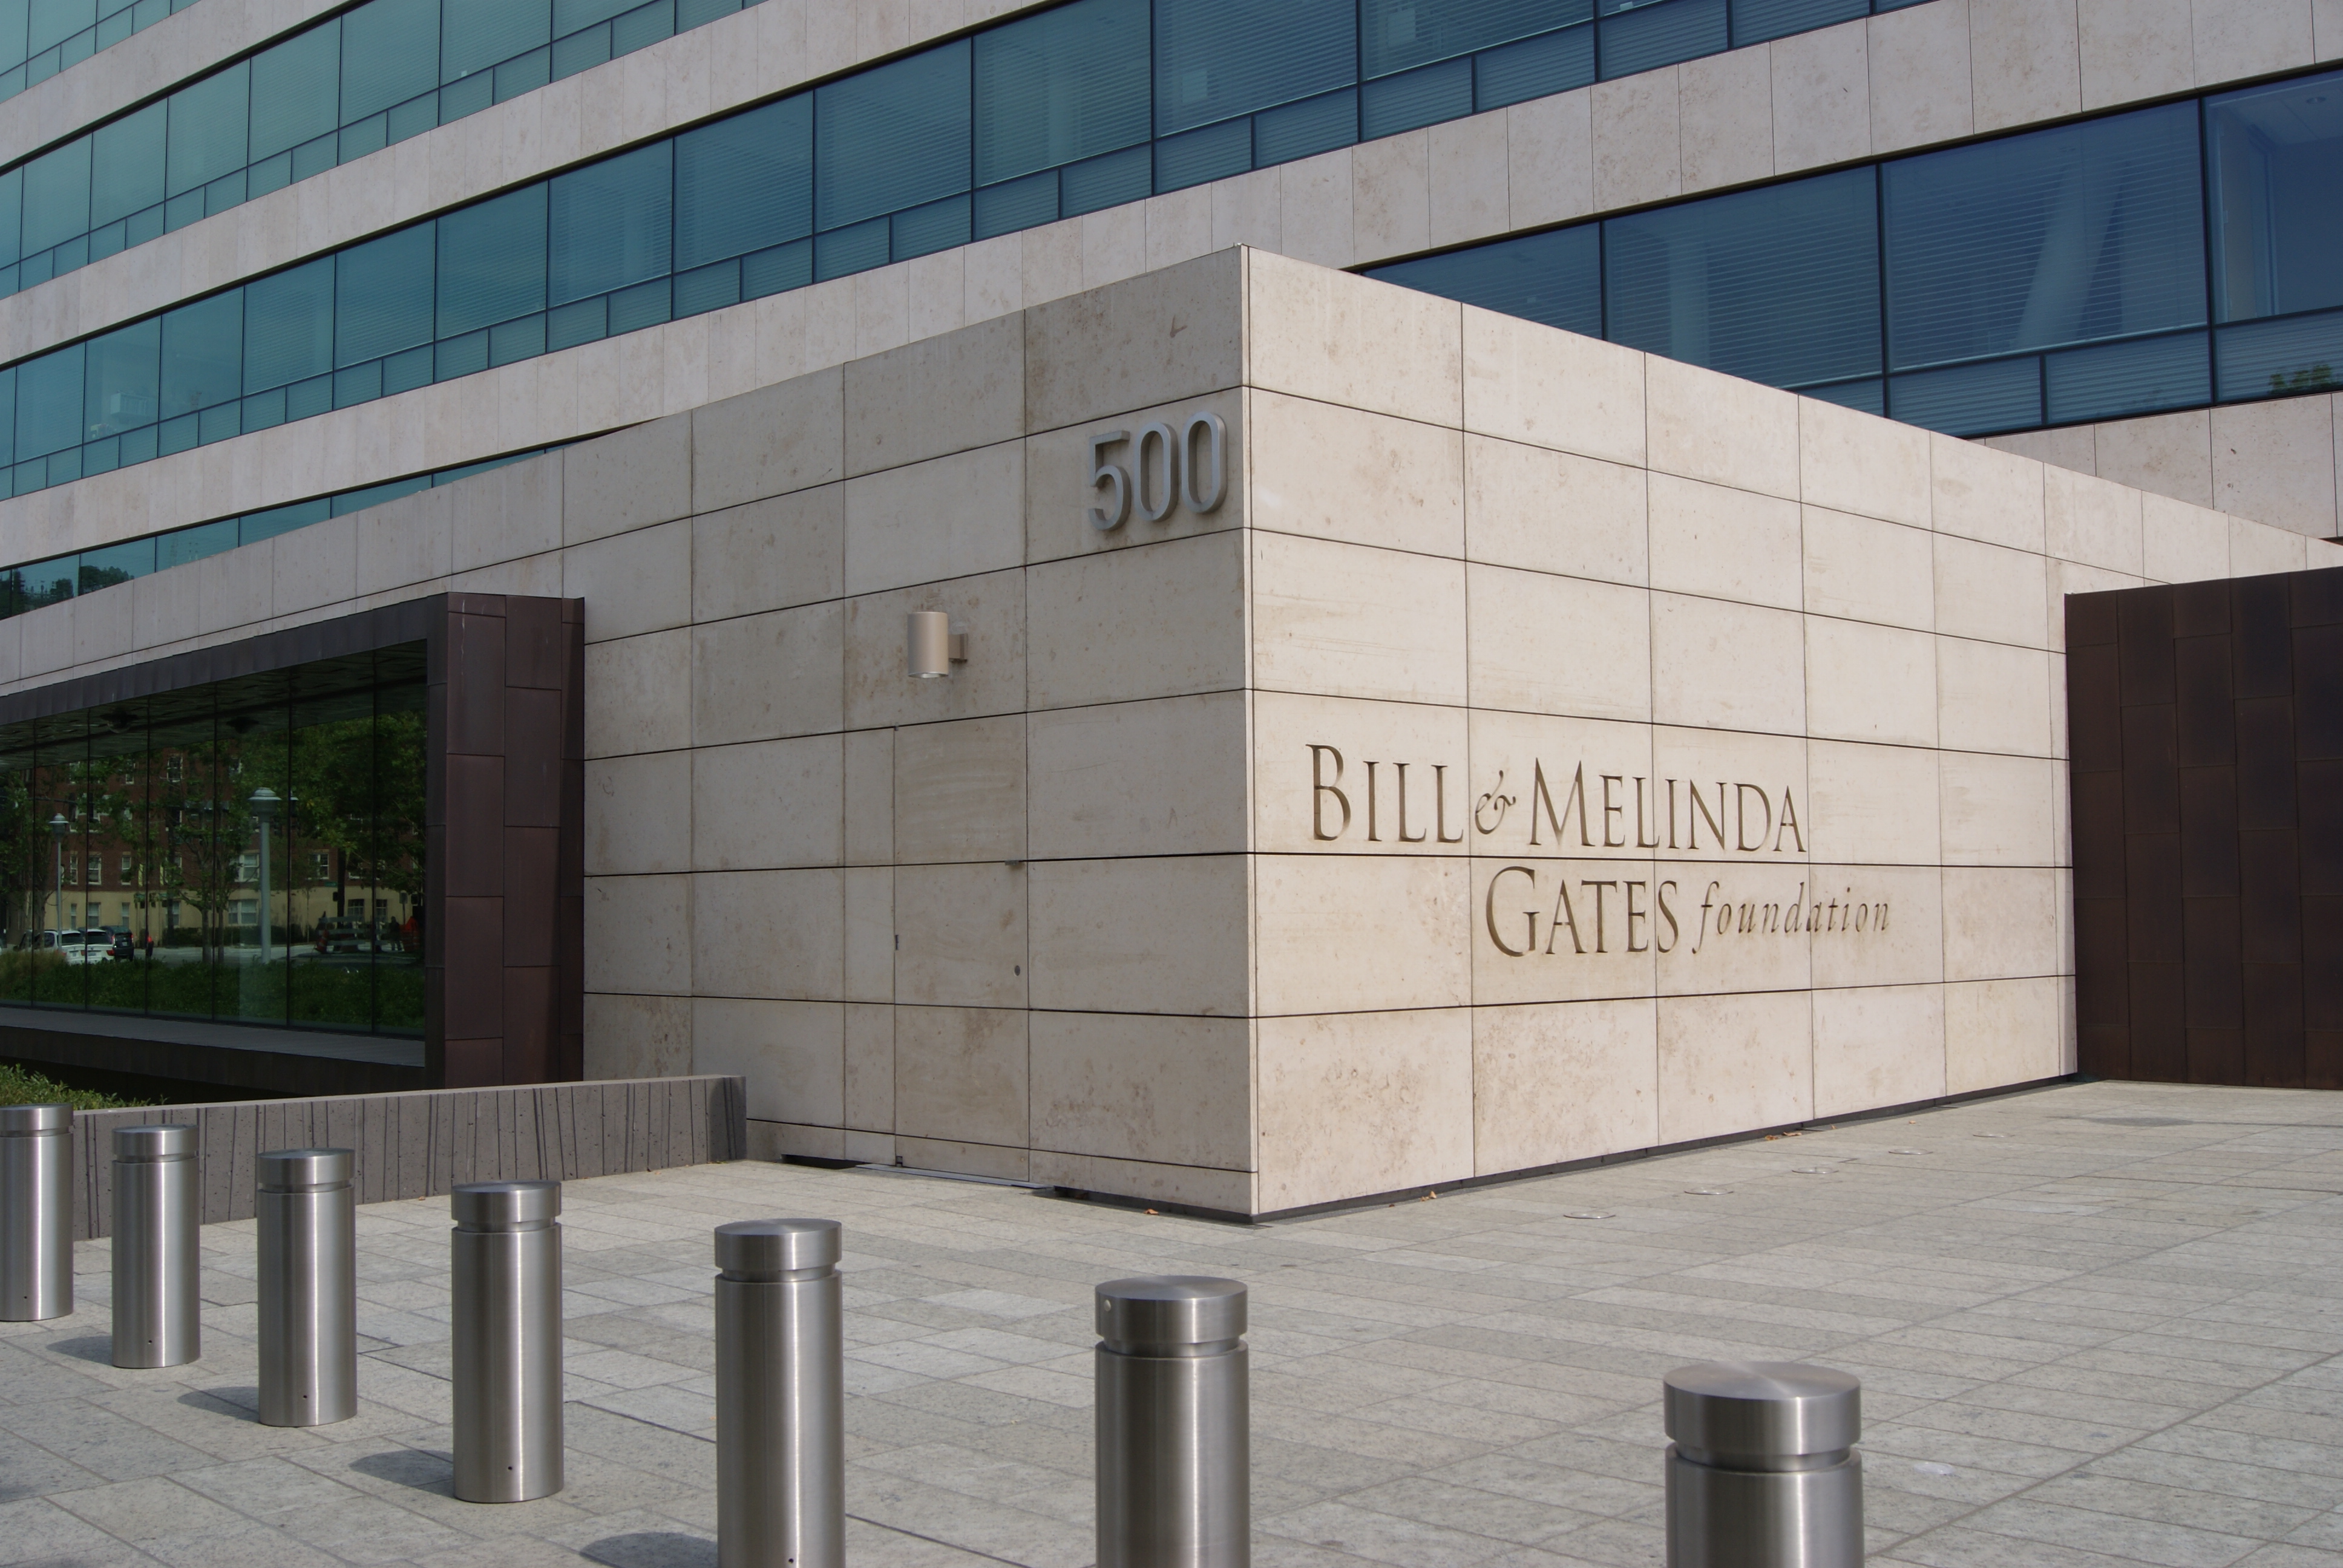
x=2097 y=1324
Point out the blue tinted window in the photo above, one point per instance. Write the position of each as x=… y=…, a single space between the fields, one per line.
x=121 y=386
x=56 y=196
x=1755 y=21
x=208 y=126
x=745 y=183
x=1554 y=63
x=202 y=354
x=474 y=36
x=2087 y=231
x=893 y=137
x=1061 y=86
x=613 y=224
x=289 y=326
x=2276 y=159
x=126 y=165
x=390 y=52
x=11 y=211
x=295 y=90
x=1781 y=285
x=1555 y=279
x=1647 y=36
x=48 y=403
x=382 y=295
x=55 y=21
x=492 y=262
x=1216 y=58
x=1398 y=34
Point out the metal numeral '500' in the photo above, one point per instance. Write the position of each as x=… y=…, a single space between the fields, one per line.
x=1179 y=466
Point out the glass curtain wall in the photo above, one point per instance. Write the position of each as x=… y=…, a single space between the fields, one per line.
x=2165 y=258
x=1096 y=103
x=2049 y=276
x=38 y=38
x=248 y=852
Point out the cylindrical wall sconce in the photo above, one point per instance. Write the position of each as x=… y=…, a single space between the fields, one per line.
x=932 y=646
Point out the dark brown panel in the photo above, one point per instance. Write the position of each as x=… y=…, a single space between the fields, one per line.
x=2152 y=876
x=2159 y=1045
x=2200 y=609
x=2094 y=715
x=529 y=1020
x=2270 y=880
x=472 y=1063
x=2143 y=620
x=2322 y=963
x=2206 y=713
x=2216 y=1056
x=535 y=643
x=2265 y=763
x=2102 y=982
x=476 y=684
x=2322 y=1059
x=475 y=991
x=2257 y=610
x=533 y=761
x=2318 y=692
x=2317 y=598
x=532 y=859
x=2322 y=829
x=2151 y=771
x=2090 y=619
x=2208 y=832
x=2274 y=1045
x=2212 y=969
x=2098 y=828
x=476 y=810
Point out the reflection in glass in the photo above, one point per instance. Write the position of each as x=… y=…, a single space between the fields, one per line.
x=249 y=850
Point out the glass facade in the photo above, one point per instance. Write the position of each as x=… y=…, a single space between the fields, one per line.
x=1051 y=116
x=2163 y=258
x=357 y=81
x=60 y=578
x=251 y=850
x=38 y=38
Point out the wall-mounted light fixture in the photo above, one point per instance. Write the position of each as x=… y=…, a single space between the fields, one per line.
x=933 y=647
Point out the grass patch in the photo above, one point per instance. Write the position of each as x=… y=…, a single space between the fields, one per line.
x=24 y=1086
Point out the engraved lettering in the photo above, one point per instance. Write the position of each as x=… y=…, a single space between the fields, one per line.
x=1699 y=810
x=1320 y=787
x=1740 y=793
x=1601 y=944
x=1541 y=796
x=1401 y=768
x=1669 y=915
x=1672 y=813
x=1611 y=811
x=1706 y=900
x=1440 y=799
x=1563 y=915
x=1634 y=914
x=1789 y=825
x=1641 y=841
x=1489 y=912
x=1374 y=834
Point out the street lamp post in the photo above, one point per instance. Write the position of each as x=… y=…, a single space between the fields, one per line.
x=264 y=804
x=58 y=826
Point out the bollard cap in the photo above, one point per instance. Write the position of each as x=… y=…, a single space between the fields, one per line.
x=302 y=1170
x=505 y=1205
x=24 y=1120
x=1171 y=1311
x=770 y=1248
x=1764 y=1409
x=175 y=1140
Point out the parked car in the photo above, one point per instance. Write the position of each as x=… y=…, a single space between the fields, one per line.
x=349 y=934
x=125 y=946
x=90 y=946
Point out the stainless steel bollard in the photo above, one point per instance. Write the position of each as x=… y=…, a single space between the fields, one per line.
x=1762 y=1472
x=306 y=1217
x=780 y=1396
x=157 y=1313
x=35 y=1212
x=1174 y=1425
x=508 y=1339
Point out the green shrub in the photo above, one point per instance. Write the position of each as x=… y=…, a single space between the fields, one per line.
x=23 y=1085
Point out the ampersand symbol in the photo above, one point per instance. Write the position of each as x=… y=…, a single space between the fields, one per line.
x=1481 y=807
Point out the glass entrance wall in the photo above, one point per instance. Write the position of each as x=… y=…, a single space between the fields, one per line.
x=246 y=851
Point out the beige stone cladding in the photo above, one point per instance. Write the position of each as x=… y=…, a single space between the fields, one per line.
x=1643 y=756
x=1104 y=909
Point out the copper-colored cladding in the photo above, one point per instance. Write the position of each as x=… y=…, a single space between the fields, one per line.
x=504 y=873
x=2205 y=725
